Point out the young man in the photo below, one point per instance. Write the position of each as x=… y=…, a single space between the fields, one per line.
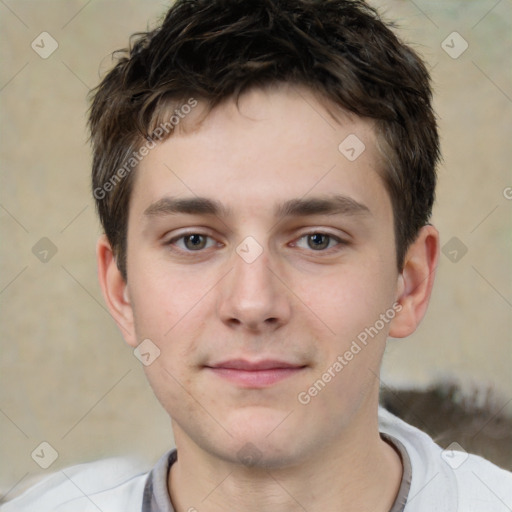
x=265 y=172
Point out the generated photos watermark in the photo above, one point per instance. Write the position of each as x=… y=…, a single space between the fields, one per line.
x=137 y=156
x=304 y=397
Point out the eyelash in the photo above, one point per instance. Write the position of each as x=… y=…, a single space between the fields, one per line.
x=340 y=242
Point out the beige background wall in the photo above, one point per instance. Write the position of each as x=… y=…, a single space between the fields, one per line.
x=67 y=377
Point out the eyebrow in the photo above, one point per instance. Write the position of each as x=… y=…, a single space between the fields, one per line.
x=330 y=205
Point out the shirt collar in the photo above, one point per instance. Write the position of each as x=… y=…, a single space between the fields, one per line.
x=156 y=491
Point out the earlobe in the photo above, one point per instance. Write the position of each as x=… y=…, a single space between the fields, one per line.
x=415 y=283
x=115 y=290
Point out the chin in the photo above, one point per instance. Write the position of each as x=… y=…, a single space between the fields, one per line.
x=265 y=441
x=257 y=454
x=260 y=423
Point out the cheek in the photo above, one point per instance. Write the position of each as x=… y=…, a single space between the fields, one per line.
x=349 y=300
x=164 y=298
x=170 y=384
x=350 y=304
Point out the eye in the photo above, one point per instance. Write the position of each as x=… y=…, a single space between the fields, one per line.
x=319 y=241
x=190 y=242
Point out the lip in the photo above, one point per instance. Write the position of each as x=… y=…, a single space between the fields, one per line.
x=254 y=374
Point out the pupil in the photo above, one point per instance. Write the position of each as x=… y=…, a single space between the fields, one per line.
x=317 y=240
x=195 y=240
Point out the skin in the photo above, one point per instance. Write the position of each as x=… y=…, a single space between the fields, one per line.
x=294 y=302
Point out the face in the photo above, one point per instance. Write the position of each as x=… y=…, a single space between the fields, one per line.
x=261 y=262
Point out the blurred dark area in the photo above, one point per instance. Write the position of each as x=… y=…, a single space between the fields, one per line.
x=476 y=421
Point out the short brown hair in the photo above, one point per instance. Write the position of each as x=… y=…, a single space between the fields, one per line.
x=214 y=50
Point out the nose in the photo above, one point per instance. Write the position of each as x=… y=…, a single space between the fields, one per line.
x=253 y=296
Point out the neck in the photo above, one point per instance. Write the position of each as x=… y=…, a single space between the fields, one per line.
x=359 y=471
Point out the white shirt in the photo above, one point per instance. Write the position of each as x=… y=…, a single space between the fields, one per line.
x=440 y=481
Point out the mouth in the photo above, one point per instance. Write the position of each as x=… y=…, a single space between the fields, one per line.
x=257 y=374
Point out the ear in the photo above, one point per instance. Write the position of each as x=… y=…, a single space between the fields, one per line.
x=115 y=290
x=415 y=282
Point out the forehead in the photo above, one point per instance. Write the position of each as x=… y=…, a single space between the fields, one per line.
x=273 y=146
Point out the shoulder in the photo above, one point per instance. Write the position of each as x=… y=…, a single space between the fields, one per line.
x=483 y=485
x=450 y=479
x=110 y=484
